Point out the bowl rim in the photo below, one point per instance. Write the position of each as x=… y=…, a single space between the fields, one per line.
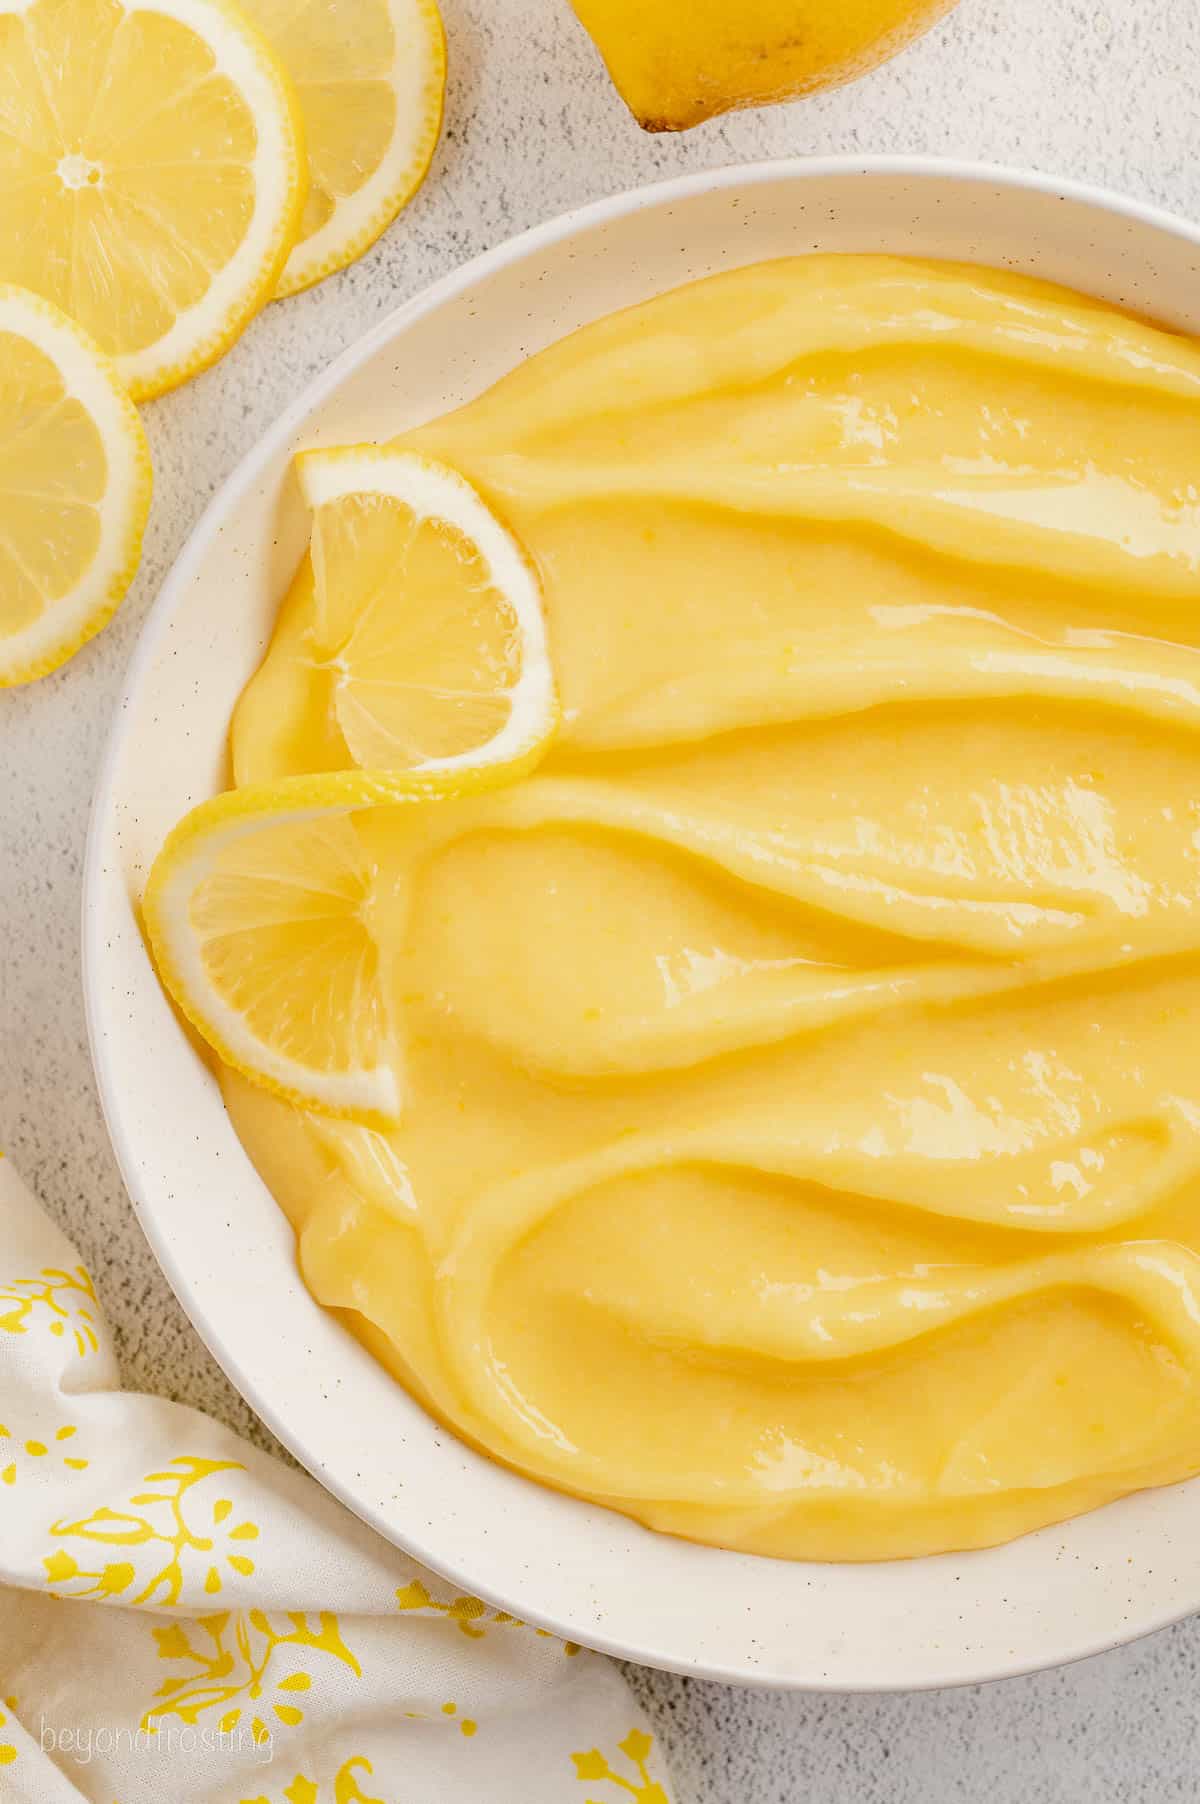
x=153 y=632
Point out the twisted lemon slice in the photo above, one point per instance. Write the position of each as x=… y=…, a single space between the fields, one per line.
x=258 y=911
x=370 y=80
x=153 y=173
x=260 y=906
x=427 y=615
x=74 y=487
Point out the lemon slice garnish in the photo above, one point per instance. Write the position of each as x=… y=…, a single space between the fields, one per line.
x=258 y=912
x=370 y=80
x=427 y=615
x=259 y=908
x=74 y=487
x=153 y=174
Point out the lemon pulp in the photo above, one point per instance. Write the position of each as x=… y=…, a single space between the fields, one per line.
x=800 y=1147
x=153 y=173
x=418 y=622
x=369 y=83
x=74 y=487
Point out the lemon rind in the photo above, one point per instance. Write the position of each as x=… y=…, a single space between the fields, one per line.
x=358 y=221
x=243 y=286
x=90 y=377
x=434 y=490
x=371 y=1096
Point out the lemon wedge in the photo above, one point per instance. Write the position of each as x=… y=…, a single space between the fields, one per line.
x=427 y=616
x=74 y=487
x=153 y=174
x=370 y=79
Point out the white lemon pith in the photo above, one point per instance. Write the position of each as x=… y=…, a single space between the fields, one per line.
x=370 y=81
x=428 y=614
x=154 y=174
x=74 y=487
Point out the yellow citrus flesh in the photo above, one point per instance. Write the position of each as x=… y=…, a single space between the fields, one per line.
x=154 y=175
x=423 y=660
x=259 y=913
x=420 y=629
x=370 y=81
x=74 y=487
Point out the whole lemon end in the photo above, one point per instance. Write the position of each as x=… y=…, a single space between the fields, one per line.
x=684 y=61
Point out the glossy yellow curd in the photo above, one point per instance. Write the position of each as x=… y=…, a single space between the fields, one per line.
x=800 y=1146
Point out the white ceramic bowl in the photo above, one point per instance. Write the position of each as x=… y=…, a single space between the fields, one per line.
x=225 y=1247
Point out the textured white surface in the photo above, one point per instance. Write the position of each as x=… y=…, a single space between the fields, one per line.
x=1108 y=90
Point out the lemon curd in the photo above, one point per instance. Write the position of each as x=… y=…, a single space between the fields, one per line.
x=799 y=1137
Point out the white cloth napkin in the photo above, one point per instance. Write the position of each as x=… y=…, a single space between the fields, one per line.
x=184 y=1620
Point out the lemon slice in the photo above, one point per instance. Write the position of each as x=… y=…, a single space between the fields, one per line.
x=153 y=174
x=258 y=910
x=370 y=80
x=74 y=487
x=427 y=615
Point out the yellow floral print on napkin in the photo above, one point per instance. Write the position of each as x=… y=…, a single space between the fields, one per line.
x=231 y=1656
x=165 y=1620
x=345 y=1789
x=62 y=1302
x=20 y=1450
x=469 y=1614
x=636 y=1747
x=8 y=1752
x=170 y=1518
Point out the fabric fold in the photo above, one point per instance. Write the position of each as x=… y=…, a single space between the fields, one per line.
x=182 y=1615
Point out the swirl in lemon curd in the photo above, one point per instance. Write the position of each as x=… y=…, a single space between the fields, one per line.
x=801 y=1139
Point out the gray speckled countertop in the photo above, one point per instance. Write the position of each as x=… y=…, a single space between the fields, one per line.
x=1107 y=90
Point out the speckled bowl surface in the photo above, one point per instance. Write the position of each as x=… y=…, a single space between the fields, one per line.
x=227 y=1250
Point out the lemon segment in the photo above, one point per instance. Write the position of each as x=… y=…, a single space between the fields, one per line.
x=370 y=81
x=154 y=174
x=75 y=487
x=427 y=616
x=258 y=910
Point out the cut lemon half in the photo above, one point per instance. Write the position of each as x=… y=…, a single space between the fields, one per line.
x=258 y=911
x=370 y=79
x=153 y=174
x=74 y=487
x=427 y=615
